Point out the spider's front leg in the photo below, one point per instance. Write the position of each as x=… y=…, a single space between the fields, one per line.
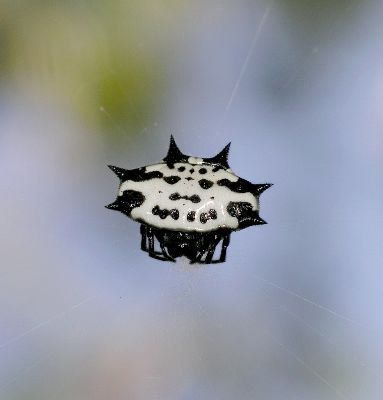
x=225 y=244
x=160 y=235
x=152 y=253
x=211 y=249
x=143 y=237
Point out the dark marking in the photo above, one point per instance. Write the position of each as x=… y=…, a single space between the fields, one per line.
x=243 y=186
x=204 y=217
x=137 y=175
x=175 y=196
x=151 y=175
x=236 y=209
x=189 y=178
x=191 y=216
x=181 y=169
x=174 y=213
x=155 y=210
x=194 y=198
x=127 y=201
x=213 y=214
x=172 y=179
x=163 y=214
x=192 y=170
x=240 y=186
x=205 y=184
x=202 y=171
x=132 y=197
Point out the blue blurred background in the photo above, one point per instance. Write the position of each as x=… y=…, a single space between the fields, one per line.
x=296 y=311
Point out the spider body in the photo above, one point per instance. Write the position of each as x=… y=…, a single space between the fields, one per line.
x=188 y=204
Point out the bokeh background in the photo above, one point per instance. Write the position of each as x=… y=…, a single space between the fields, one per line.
x=296 y=311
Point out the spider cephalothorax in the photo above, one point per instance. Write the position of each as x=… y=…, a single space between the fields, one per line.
x=189 y=204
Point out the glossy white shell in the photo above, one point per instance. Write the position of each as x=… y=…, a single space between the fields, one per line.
x=157 y=192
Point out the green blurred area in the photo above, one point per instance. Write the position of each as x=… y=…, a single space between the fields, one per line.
x=89 y=55
x=113 y=55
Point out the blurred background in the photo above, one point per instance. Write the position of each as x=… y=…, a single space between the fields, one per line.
x=296 y=311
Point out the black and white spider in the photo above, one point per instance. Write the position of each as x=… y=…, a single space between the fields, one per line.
x=189 y=204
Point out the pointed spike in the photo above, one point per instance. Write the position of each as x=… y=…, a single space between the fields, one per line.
x=221 y=158
x=113 y=206
x=227 y=148
x=120 y=172
x=259 y=188
x=174 y=153
x=259 y=221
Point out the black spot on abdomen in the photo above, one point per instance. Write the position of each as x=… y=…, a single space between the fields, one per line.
x=132 y=198
x=239 y=186
x=174 y=213
x=194 y=198
x=205 y=184
x=204 y=217
x=213 y=214
x=191 y=216
x=175 y=196
x=140 y=175
x=161 y=213
x=127 y=201
x=237 y=209
x=172 y=179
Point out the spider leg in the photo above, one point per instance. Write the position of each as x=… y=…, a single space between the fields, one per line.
x=201 y=251
x=150 y=240
x=152 y=253
x=160 y=236
x=158 y=255
x=211 y=249
x=198 y=257
x=165 y=252
x=143 y=238
x=225 y=244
